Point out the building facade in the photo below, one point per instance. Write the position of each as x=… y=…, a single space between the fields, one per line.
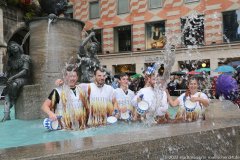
x=132 y=32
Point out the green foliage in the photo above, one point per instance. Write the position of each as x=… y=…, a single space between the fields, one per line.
x=29 y=10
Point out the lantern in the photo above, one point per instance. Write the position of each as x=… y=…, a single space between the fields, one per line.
x=204 y=65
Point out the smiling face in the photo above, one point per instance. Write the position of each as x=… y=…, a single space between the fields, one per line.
x=124 y=81
x=193 y=86
x=71 y=78
x=150 y=80
x=100 y=77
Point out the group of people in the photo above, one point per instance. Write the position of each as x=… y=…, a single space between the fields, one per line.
x=90 y=104
x=176 y=82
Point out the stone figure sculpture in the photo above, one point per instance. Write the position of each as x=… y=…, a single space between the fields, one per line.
x=56 y=7
x=18 y=67
x=87 y=57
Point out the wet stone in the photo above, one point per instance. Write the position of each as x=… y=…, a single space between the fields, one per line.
x=28 y=106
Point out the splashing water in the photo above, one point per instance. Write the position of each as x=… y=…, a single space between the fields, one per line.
x=25 y=38
x=161 y=81
x=50 y=20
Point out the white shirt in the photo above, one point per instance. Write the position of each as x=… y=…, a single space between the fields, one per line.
x=103 y=94
x=124 y=99
x=150 y=97
x=192 y=105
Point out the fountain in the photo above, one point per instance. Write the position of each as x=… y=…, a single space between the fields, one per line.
x=49 y=51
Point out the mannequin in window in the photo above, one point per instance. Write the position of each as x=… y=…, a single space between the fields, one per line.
x=158 y=39
x=156 y=33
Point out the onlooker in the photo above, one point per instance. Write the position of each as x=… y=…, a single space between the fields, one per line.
x=172 y=86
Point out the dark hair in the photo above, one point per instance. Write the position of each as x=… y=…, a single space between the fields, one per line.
x=188 y=82
x=98 y=69
x=122 y=75
x=72 y=68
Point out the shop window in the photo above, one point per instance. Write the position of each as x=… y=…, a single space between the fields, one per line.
x=125 y=68
x=231 y=25
x=155 y=4
x=94 y=10
x=123 y=6
x=193 y=30
x=123 y=38
x=155 y=35
x=192 y=65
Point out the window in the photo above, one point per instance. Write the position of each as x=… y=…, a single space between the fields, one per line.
x=155 y=4
x=69 y=12
x=123 y=6
x=231 y=26
x=123 y=38
x=191 y=65
x=193 y=30
x=98 y=35
x=125 y=68
x=94 y=10
x=155 y=35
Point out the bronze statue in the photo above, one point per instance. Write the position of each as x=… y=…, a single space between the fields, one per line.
x=88 y=59
x=18 y=75
x=56 y=7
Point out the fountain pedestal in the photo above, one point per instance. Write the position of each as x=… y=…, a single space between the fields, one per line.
x=51 y=46
x=28 y=105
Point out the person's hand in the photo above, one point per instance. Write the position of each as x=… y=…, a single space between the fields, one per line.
x=52 y=116
x=194 y=99
x=123 y=109
x=140 y=97
x=59 y=82
x=162 y=109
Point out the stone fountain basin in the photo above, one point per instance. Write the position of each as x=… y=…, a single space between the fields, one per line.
x=218 y=137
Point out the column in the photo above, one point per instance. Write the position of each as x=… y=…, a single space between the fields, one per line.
x=2 y=41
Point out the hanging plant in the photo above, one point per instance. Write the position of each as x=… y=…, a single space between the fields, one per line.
x=26 y=2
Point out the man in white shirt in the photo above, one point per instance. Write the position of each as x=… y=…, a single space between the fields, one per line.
x=124 y=97
x=148 y=94
x=102 y=101
x=67 y=101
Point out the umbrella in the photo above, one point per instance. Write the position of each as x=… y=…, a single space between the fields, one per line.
x=203 y=69
x=178 y=73
x=193 y=72
x=225 y=85
x=224 y=68
x=238 y=67
x=234 y=63
x=130 y=73
x=136 y=76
